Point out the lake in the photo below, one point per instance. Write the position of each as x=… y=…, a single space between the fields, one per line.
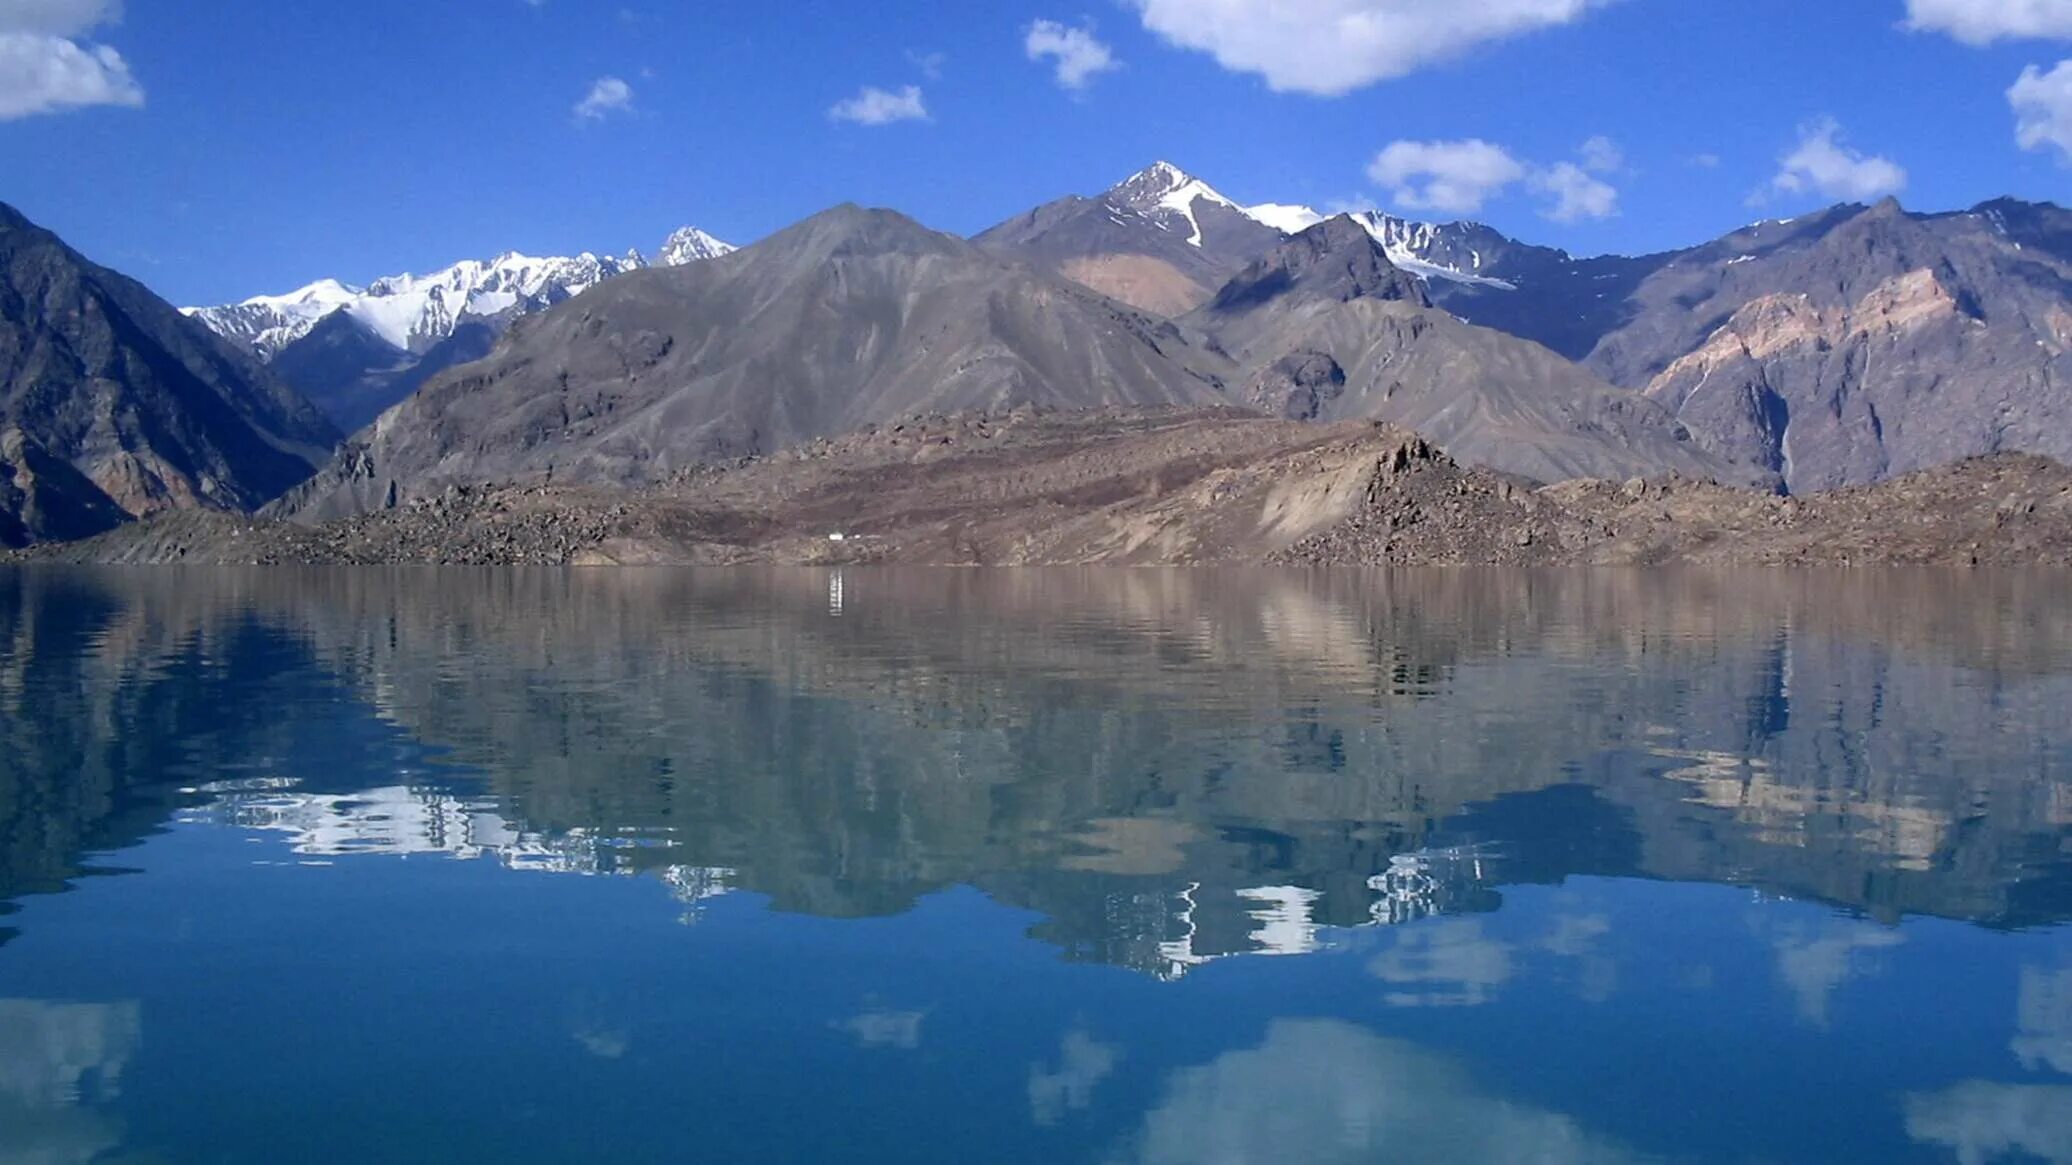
x=1035 y=866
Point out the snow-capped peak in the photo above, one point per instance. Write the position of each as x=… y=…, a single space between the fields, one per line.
x=688 y=245
x=413 y=312
x=1164 y=193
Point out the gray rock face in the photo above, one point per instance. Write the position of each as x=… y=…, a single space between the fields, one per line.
x=107 y=390
x=852 y=317
x=1327 y=328
x=1833 y=349
x=1334 y=262
x=44 y=499
x=1863 y=342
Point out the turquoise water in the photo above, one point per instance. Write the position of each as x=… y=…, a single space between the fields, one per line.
x=1104 y=866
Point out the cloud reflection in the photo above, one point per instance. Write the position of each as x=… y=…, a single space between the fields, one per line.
x=1083 y=1062
x=1984 y=1122
x=1323 y=1091
x=56 y=1060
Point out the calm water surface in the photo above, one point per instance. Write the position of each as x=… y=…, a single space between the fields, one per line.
x=1034 y=866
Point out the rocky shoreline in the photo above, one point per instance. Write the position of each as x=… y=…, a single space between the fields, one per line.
x=1146 y=487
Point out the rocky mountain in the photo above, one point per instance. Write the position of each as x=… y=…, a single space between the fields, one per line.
x=1161 y=240
x=113 y=404
x=1327 y=327
x=1542 y=294
x=1859 y=343
x=1164 y=240
x=406 y=328
x=862 y=317
x=851 y=317
x=1836 y=348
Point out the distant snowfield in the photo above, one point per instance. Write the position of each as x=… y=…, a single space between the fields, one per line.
x=411 y=312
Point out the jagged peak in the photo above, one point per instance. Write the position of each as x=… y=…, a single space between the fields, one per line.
x=1164 y=186
x=688 y=244
x=1160 y=176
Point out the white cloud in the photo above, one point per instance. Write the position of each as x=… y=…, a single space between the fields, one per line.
x=1822 y=164
x=1332 y=47
x=2043 y=109
x=607 y=95
x=66 y=18
x=44 y=65
x=1705 y=161
x=1450 y=177
x=1460 y=177
x=1079 y=56
x=1602 y=155
x=1576 y=193
x=1981 y=22
x=930 y=64
x=874 y=106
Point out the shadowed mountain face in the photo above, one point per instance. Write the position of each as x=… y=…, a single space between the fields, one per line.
x=355 y=375
x=852 y=317
x=113 y=402
x=846 y=742
x=1325 y=327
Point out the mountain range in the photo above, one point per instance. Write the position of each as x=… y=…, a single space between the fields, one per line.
x=1835 y=349
x=355 y=351
x=1838 y=348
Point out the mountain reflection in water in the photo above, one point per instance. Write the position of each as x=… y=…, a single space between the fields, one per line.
x=1162 y=769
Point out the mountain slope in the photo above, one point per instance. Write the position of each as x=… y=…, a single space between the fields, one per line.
x=1538 y=293
x=1161 y=240
x=1852 y=345
x=102 y=377
x=850 y=318
x=1326 y=327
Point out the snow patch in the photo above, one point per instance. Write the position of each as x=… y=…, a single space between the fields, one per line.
x=1415 y=247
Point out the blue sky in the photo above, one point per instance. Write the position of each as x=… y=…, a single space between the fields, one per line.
x=263 y=145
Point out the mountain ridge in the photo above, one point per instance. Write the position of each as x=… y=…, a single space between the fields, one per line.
x=115 y=405
x=410 y=327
